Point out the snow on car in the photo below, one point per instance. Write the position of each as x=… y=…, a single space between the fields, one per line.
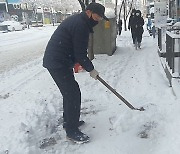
x=13 y=25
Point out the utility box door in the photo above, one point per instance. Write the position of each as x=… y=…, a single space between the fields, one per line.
x=104 y=37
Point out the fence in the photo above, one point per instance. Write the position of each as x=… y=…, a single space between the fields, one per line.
x=169 y=50
x=172 y=51
x=161 y=41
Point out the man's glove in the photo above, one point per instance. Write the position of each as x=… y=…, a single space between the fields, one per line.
x=94 y=74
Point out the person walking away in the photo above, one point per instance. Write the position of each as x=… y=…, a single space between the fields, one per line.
x=149 y=25
x=130 y=26
x=67 y=46
x=119 y=26
x=153 y=31
x=137 y=28
x=28 y=22
x=53 y=21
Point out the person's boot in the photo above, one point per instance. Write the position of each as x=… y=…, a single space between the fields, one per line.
x=80 y=123
x=77 y=136
x=139 y=45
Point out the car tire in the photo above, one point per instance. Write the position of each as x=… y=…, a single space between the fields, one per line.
x=13 y=29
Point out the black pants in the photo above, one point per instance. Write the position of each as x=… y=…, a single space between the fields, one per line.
x=133 y=36
x=69 y=88
x=120 y=29
x=137 y=35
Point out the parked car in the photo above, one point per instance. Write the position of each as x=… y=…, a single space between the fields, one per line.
x=171 y=21
x=24 y=24
x=177 y=24
x=176 y=27
x=3 y=28
x=13 y=25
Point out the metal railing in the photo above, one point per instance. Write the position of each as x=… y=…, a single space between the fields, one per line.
x=169 y=50
x=172 y=49
x=160 y=39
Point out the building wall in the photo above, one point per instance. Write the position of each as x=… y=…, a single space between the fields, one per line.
x=3 y=10
x=174 y=9
x=3 y=1
x=178 y=10
x=13 y=1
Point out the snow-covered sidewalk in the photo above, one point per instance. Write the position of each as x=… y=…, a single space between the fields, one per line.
x=31 y=107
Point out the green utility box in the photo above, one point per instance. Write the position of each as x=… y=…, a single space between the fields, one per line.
x=104 y=37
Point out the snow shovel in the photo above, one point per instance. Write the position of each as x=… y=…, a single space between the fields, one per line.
x=118 y=95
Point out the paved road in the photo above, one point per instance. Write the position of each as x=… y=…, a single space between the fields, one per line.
x=17 y=48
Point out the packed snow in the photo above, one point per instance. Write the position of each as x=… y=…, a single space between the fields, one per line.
x=31 y=104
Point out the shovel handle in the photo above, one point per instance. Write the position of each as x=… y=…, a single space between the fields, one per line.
x=118 y=95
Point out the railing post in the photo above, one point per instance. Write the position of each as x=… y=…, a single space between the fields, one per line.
x=179 y=57
x=173 y=43
x=170 y=42
x=159 y=39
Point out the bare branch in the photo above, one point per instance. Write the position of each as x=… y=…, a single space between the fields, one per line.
x=121 y=9
x=82 y=5
x=130 y=9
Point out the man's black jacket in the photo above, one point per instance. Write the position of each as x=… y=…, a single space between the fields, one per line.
x=68 y=44
x=136 y=23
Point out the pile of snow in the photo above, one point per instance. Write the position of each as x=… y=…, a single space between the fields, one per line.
x=177 y=24
x=110 y=13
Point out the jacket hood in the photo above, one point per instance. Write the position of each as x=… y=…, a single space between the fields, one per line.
x=138 y=11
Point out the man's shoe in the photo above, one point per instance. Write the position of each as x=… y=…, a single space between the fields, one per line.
x=139 y=45
x=80 y=123
x=78 y=137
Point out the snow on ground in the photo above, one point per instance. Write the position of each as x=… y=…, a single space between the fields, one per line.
x=20 y=47
x=31 y=105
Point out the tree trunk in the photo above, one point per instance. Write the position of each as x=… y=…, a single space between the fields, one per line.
x=125 y=28
x=86 y=2
x=116 y=9
x=82 y=5
x=120 y=9
x=126 y=12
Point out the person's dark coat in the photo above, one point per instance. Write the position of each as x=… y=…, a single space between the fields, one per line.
x=137 y=23
x=68 y=45
x=120 y=26
x=131 y=18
